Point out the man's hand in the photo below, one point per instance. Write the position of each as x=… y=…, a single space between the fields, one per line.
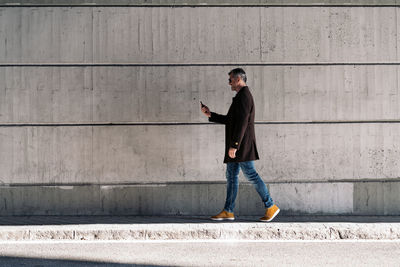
x=206 y=111
x=232 y=152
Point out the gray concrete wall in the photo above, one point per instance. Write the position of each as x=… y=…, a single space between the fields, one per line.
x=198 y=35
x=171 y=93
x=99 y=109
x=190 y=153
x=344 y=198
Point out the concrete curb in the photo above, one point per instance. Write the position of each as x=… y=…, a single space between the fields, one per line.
x=199 y=231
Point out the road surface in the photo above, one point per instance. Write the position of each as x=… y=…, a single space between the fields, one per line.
x=196 y=253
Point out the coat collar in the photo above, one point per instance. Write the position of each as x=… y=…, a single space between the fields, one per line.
x=244 y=88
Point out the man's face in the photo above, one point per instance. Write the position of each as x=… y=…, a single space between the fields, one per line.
x=233 y=82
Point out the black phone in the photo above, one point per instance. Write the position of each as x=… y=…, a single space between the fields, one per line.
x=202 y=105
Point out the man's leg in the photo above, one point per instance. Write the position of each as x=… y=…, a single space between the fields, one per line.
x=251 y=175
x=232 y=185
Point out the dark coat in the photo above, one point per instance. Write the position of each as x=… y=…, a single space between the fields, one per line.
x=239 y=127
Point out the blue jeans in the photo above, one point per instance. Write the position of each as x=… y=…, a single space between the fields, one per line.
x=232 y=185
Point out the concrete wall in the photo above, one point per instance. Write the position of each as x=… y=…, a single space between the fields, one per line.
x=99 y=110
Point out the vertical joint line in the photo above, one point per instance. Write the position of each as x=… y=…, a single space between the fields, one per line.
x=260 y=22
x=397 y=35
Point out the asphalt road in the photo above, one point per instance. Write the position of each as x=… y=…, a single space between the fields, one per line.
x=228 y=253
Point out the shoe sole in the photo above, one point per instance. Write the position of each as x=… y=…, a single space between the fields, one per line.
x=223 y=219
x=273 y=216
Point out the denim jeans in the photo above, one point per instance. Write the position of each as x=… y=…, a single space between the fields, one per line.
x=232 y=177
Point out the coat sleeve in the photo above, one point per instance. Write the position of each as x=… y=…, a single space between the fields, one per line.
x=218 y=118
x=241 y=120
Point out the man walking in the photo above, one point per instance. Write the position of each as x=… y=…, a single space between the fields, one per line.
x=240 y=147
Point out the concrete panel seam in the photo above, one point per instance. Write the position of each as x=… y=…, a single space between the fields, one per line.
x=91 y=5
x=68 y=186
x=198 y=64
x=102 y=124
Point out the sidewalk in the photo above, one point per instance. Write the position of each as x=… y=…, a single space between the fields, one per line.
x=41 y=228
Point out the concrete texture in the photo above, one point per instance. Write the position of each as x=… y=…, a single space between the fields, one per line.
x=376 y=198
x=182 y=153
x=360 y=198
x=300 y=76
x=172 y=94
x=199 y=2
x=330 y=198
x=187 y=228
x=201 y=34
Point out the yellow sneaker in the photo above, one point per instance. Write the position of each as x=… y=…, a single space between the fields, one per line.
x=270 y=214
x=223 y=215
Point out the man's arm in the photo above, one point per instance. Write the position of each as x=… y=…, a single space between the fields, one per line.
x=218 y=118
x=241 y=120
x=212 y=116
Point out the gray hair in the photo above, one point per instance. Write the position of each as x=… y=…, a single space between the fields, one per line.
x=238 y=72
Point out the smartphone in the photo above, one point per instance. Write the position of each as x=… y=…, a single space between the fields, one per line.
x=202 y=105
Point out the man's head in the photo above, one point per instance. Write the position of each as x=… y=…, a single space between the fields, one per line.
x=237 y=79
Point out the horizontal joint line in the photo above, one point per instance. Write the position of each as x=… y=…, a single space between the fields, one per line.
x=393 y=180
x=199 y=64
x=13 y=5
x=90 y=124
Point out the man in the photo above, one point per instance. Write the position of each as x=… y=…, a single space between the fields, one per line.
x=240 y=147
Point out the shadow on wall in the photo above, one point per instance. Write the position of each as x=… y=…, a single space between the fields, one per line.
x=22 y=261
x=200 y=199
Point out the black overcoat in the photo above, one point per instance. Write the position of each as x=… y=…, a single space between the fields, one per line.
x=239 y=127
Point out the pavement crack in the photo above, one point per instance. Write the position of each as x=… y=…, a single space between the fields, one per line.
x=340 y=235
